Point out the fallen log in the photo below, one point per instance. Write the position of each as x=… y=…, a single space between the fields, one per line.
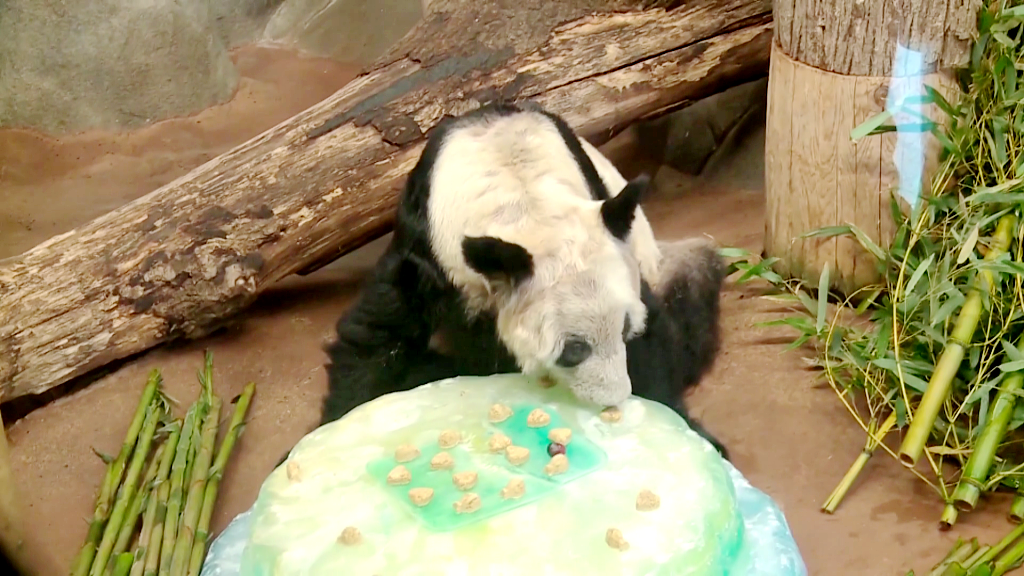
x=182 y=259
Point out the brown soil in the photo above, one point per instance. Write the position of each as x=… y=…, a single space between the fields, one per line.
x=787 y=432
x=87 y=175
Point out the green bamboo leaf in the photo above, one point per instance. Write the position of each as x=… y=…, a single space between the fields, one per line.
x=997 y=189
x=968 y=247
x=993 y=217
x=952 y=303
x=1002 y=265
x=914 y=382
x=1012 y=351
x=981 y=392
x=889 y=365
x=978 y=51
x=919 y=272
x=1012 y=366
x=798 y=342
x=758 y=270
x=883 y=336
x=982 y=410
x=826 y=232
x=729 y=252
x=868 y=301
x=895 y=211
x=868 y=243
x=947 y=144
x=822 y=299
x=999 y=127
x=936 y=337
x=1003 y=39
x=801 y=324
x=870 y=125
x=940 y=101
x=1010 y=80
x=901 y=412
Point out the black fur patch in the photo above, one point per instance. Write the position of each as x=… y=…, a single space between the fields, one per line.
x=497 y=259
x=618 y=212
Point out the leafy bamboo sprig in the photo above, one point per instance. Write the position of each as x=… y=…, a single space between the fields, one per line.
x=955 y=261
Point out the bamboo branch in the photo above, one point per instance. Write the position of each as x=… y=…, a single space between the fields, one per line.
x=923 y=418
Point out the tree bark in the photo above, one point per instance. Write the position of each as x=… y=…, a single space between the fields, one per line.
x=182 y=259
x=835 y=65
x=859 y=37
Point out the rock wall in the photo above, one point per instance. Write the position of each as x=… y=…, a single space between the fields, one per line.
x=76 y=65
x=345 y=30
x=114 y=64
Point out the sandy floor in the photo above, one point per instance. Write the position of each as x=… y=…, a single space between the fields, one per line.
x=87 y=175
x=788 y=434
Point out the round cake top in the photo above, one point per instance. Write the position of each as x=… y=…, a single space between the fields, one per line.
x=496 y=475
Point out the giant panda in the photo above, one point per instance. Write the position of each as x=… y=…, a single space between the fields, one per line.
x=517 y=246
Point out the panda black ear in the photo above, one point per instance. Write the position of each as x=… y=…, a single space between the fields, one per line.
x=497 y=259
x=618 y=212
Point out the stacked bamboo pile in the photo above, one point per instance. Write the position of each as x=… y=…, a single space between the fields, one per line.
x=153 y=511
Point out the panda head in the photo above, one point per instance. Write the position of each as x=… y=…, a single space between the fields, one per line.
x=567 y=304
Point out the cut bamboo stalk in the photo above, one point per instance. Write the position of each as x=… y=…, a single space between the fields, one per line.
x=194 y=502
x=173 y=495
x=216 y=473
x=123 y=564
x=127 y=491
x=1017 y=507
x=152 y=520
x=874 y=438
x=1006 y=541
x=139 y=500
x=975 y=472
x=113 y=477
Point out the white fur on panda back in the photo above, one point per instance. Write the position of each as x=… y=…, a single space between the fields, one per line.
x=512 y=177
x=641 y=237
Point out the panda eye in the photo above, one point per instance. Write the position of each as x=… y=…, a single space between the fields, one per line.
x=626 y=329
x=575 y=351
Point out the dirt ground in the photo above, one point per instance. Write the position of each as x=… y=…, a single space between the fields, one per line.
x=787 y=432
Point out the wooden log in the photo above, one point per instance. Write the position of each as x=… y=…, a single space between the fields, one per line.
x=833 y=66
x=182 y=259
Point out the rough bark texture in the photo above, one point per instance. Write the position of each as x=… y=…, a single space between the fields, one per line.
x=833 y=67
x=180 y=260
x=859 y=37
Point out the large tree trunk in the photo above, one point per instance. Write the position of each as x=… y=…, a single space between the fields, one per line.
x=178 y=261
x=834 y=65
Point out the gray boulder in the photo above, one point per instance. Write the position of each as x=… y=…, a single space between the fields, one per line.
x=355 y=31
x=115 y=64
